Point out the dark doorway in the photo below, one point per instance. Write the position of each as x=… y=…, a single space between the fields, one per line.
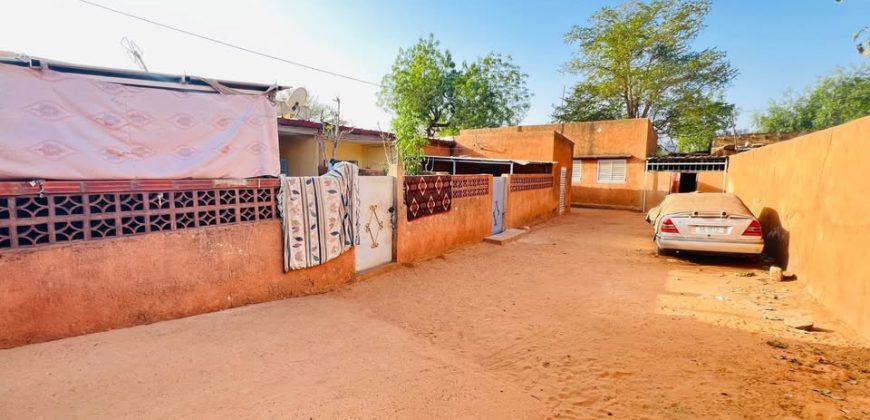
x=688 y=182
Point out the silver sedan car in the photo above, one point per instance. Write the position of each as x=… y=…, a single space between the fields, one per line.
x=716 y=223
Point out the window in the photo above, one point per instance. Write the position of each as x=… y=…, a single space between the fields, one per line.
x=576 y=172
x=611 y=171
x=285 y=167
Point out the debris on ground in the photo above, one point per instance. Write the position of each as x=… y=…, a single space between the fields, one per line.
x=800 y=323
x=775 y=273
x=788 y=276
x=827 y=393
x=745 y=274
x=777 y=344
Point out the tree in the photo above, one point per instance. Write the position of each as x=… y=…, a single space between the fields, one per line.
x=696 y=120
x=430 y=96
x=489 y=93
x=587 y=102
x=637 y=62
x=841 y=97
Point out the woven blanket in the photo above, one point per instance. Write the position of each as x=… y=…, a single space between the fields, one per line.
x=427 y=195
x=319 y=216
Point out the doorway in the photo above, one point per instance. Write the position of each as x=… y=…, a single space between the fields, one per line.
x=688 y=182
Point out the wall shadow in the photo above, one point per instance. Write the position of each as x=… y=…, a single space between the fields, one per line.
x=776 y=237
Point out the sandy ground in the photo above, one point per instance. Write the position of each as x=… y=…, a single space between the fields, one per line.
x=578 y=319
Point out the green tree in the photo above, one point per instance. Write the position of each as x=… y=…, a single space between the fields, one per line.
x=695 y=120
x=841 y=97
x=430 y=96
x=637 y=62
x=490 y=92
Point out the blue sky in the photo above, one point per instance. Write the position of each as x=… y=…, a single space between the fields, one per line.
x=775 y=44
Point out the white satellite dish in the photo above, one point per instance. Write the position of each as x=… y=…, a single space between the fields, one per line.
x=295 y=104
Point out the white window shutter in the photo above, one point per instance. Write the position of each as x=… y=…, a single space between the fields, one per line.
x=618 y=173
x=611 y=171
x=576 y=172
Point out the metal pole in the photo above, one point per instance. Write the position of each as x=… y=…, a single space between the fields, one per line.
x=725 y=175
x=645 y=172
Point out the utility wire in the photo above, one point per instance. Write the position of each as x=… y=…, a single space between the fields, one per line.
x=227 y=44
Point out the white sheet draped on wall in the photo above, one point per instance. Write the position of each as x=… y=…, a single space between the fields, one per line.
x=63 y=126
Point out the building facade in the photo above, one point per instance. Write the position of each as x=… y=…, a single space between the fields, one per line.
x=607 y=163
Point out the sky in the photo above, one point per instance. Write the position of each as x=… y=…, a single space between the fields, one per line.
x=776 y=45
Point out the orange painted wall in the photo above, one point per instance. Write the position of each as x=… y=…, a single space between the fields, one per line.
x=529 y=207
x=711 y=181
x=521 y=143
x=506 y=143
x=435 y=149
x=811 y=196
x=658 y=185
x=62 y=291
x=468 y=221
x=635 y=137
x=628 y=195
x=630 y=137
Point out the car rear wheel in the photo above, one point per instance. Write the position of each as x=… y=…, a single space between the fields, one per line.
x=663 y=252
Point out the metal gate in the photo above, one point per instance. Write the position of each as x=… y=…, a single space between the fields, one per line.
x=498 y=204
x=377 y=220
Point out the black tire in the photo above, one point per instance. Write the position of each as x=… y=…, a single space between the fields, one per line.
x=663 y=252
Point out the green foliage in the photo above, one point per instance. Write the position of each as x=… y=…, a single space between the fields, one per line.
x=588 y=103
x=409 y=141
x=835 y=99
x=430 y=96
x=694 y=121
x=489 y=93
x=637 y=62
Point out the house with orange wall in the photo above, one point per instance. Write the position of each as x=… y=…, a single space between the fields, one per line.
x=606 y=165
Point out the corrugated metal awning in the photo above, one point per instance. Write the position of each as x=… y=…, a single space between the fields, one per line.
x=610 y=156
x=472 y=159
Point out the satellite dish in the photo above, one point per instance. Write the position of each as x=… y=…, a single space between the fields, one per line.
x=295 y=104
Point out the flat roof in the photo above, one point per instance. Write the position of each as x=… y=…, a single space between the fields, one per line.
x=474 y=159
x=314 y=126
x=608 y=156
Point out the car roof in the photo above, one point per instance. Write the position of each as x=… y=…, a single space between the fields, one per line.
x=701 y=203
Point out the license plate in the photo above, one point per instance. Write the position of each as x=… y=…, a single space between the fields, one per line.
x=710 y=230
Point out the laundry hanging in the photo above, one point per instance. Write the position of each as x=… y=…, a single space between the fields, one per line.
x=64 y=126
x=426 y=195
x=319 y=216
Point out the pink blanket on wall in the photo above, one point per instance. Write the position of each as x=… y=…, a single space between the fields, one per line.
x=62 y=126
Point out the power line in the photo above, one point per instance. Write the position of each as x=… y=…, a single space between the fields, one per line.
x=227 y=44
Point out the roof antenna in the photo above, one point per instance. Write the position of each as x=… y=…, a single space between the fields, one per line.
x=134 y=52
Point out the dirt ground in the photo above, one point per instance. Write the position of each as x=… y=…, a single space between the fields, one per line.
x=578 y=319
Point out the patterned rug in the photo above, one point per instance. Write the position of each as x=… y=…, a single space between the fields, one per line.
x=427 y=195
x=319 y=216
